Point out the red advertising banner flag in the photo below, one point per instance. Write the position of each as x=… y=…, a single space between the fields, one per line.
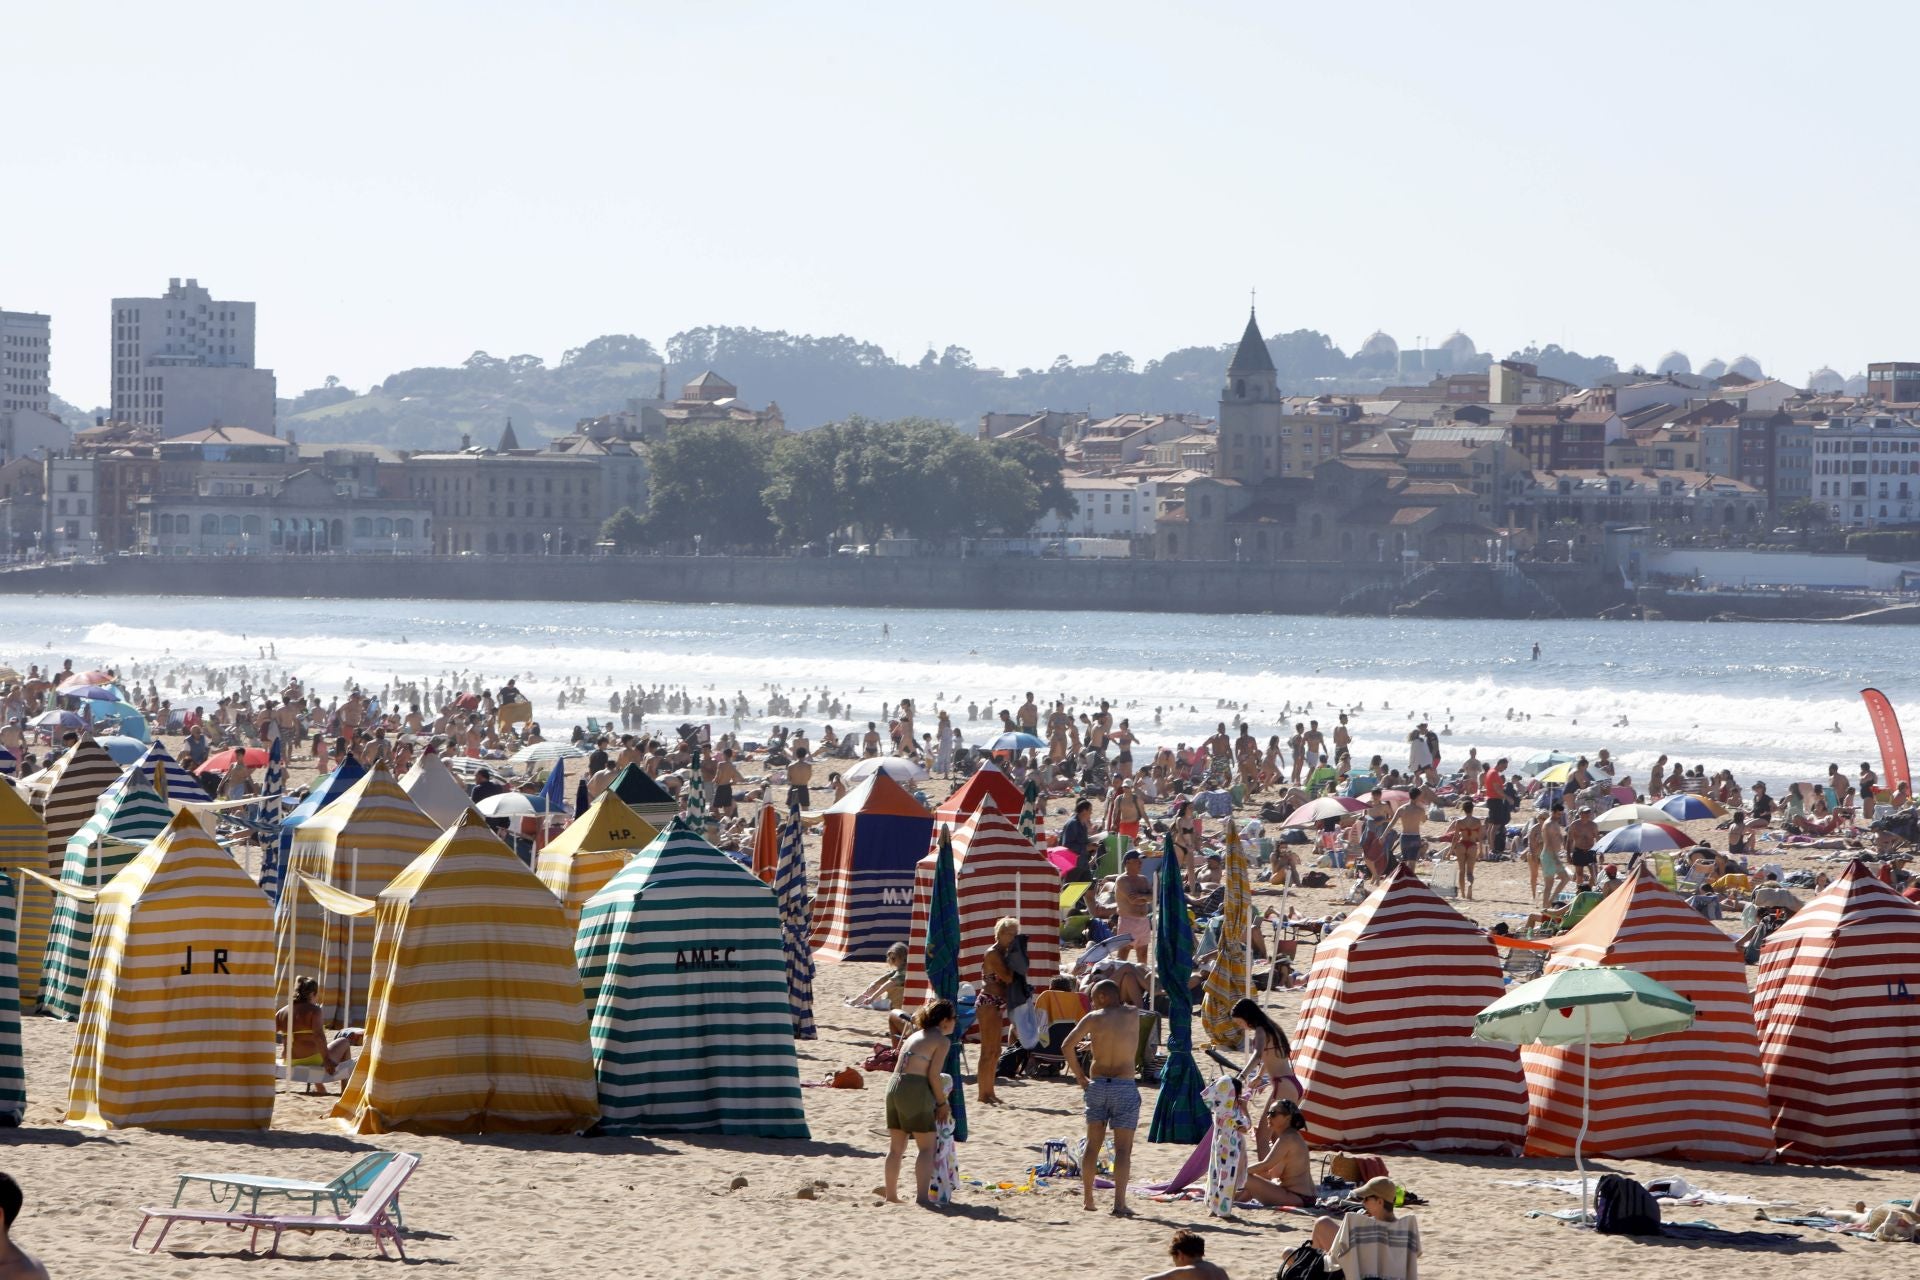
x=1893 y=747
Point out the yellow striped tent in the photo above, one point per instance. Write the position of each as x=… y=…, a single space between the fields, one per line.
x=591 y=852
x=176 y=1027
x=357 y=844
x=475 y=1020
x=131 y=815
x=23 y=844
x=13 y=1076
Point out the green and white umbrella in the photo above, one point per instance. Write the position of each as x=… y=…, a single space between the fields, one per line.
x=1585 y=1006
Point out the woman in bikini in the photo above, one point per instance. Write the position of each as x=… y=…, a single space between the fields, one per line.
x=996 y=977
x=1269 y=1062
x=917 y=1098
x=304 y=1024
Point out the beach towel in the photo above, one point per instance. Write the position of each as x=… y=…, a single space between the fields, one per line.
x=1227 y=1162
x=946 y=1157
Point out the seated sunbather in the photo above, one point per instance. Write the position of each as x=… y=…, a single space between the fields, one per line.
x=1284 y=1176
x=304 y=1022
x=1560 y=919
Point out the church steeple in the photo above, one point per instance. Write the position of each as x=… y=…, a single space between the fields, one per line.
x=1253 y=356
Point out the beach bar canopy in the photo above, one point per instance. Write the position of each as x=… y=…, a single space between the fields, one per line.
x=1838 y=1005
x=475 y=1022
x=176 y=1027
x=1385 y=1051
x=998 y=874
x=682 y=959
x=871 y=841
x=574 y=864
x=1695 y=1095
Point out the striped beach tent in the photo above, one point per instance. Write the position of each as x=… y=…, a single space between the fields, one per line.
x=475 y=1022
x=9 y=763
x=796 y=921
x=1695 y=1095
x=871 y=840
x=131 y=816
x=73 y=789
x=13 y=1075
x=1838 y=1006
x=989 y=781
x=23 y=844
x=433 y=788
x=1385 y=1054
x=181 y=784
x=273 y=863
x=591 y=851
x=176 y=1027
x=683 y=963
x=644 y=796
x=998 y=874
x=358 y=843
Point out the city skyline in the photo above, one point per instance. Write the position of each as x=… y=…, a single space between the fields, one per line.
x=1028 y=185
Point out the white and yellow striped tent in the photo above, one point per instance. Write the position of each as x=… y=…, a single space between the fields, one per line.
x=476 y=1024
x=176 y=1027
x=591 y=852
x=357 y=844
x=433 y=788
x=131 y=815
x=13 y=1076
x=23 y=845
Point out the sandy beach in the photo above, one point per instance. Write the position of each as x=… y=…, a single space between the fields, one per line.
x=541 y=1207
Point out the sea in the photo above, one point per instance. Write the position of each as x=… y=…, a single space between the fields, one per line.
x=1771 y=701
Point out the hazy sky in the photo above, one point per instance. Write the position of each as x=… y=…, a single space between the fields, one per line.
x=398 y=184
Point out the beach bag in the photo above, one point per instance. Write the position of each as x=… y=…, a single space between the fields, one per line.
x=1622 y=1207
x=1304 y=1262
x=848 y=1078
x=883 y=1058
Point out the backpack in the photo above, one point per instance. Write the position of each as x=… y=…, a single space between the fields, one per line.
x=1304 y=1262
x=1622 y=1207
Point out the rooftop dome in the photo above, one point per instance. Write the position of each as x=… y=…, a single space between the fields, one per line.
x=1746 y=367
x=1826 y=378
x=1380 y=344
x=1713 y=368
x=1460 y=347
x=1674 y=362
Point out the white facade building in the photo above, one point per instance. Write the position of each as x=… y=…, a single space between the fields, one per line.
x=25 y=350
x=184 y=362
x=1866 y=470
x=71 y=507
x=26 y=432
x=1108 y=509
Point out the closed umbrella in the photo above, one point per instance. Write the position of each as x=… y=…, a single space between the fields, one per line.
x=767 y=843
x=1643 y=837
x=902 y=770
x=265 y=816
x=1232 y=965
x=1690 y=808
x=1015 y=742
x=943 y=963
x=697 y=800
x=1624 y=815
x=1326 y=807
x=796 y=923
x=1179 y=1115
x=1029 y=809
x=1585 y=1006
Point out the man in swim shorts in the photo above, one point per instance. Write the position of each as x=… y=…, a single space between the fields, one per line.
x=1112 y=1097
x=1133 y=898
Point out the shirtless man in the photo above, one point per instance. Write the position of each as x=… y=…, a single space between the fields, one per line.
x=1406 y=820
x=1189 y=1254
x=1029 y=716
x=1315 y=741
x=1465 y=834
x=15 y=1263
x=1133 y=898
x=1284 y=1176
x=799 y=780
x=1548 y=846
x=1342 y=740
x=1112 y=1095
x=726 y=776
x=1582 y=835
x=1297 y=751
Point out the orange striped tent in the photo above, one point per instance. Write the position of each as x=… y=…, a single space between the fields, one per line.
x=999 y=873
x=1697 y=1095
x=870 y=845
x=1386 y=1055
x=1838 y=1003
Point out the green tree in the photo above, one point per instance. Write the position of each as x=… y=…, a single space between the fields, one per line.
x=626 y=529
x=811 y=493
x=1041 y=465
x=708 y=481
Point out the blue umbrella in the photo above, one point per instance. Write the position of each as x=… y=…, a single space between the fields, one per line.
x=796 y=923
x=1689 y=808
x=1015 y=742
x=132 y=723
x=1179 y=1115
x=1642 y=837
x=123 y=749
x=943 y=963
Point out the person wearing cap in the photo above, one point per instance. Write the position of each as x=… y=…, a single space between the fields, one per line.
x=1376 y=1243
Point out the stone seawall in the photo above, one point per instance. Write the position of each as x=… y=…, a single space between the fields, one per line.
x=917 y=582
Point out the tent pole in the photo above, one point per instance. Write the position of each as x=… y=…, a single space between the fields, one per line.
x=1586 y=1090
x=346 y=1000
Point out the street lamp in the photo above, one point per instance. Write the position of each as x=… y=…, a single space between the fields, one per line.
x=696 y=546
x=1236 y=548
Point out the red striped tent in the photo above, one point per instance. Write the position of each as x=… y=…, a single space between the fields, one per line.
x=999 y=873
x=1697 y=1095
x=871 y=843
x=1386 y=1055
x=987 y=782
x=1838 y=1003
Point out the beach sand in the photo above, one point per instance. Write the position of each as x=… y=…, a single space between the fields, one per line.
x=563 y=1207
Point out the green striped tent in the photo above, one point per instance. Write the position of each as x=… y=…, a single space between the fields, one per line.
x=13 y=1076
x=682 y=958
x=130 y=816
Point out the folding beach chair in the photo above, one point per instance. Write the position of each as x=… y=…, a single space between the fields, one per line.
x=371 y=1216
x=247 y=1189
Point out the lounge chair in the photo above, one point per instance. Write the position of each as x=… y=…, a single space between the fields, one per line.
x=370 y=1216
x=342 y=1193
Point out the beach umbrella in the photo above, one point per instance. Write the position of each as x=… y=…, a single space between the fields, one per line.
x=796 y=923
x=512 y=804
x=1585 y=1006
x=95 y=676
x=221 y=761
x=123 y=749
x=1643 y=837
x=553 y=796
x=131 y=722
x=547 y=753
x=102 y=691
x=1328 y=807
x=768 y=840
x=1547 y=798
x=1015 y=742
x=1625 y=815
x=1233 y=961
x=899 y=768
x=943 y=963
x=1534 y=764
x=55 y=720
x=1690 y=808
x=1179 y=1115
x=8 y=673
x=1555 y=775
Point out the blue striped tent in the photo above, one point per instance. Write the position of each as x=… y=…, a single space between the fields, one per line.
x=796 y=917
x=130 y=816
x=683 y=960
x=181 y=783
x=870 y=843
x=9 y=764
x=274 y=860
x=13 y=1076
